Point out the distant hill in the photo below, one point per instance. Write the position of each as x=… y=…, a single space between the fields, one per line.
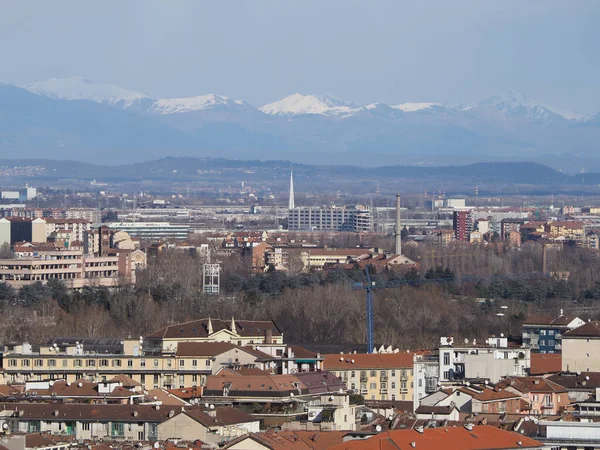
x=182 y=169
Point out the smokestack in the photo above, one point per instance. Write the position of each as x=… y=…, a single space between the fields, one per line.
x=398 y=225
x=291 y=203
x=544 y=260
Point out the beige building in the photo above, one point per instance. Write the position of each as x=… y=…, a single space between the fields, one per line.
x=72 y=267
x=180 y=359
x=581 y=348
x=375 y=376
x=211 y=425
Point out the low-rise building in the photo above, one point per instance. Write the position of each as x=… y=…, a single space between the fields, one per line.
x=543 y=396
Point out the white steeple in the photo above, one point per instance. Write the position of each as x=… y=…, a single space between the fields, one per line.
x=291 y=202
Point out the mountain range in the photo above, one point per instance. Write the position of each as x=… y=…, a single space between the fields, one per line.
x=74 y=118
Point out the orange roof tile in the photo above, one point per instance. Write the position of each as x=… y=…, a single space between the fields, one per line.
x=368 y=361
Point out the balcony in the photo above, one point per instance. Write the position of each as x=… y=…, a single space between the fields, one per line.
x=383 y=378
x=364 y=378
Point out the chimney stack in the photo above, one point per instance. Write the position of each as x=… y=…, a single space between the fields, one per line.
x=398 y=227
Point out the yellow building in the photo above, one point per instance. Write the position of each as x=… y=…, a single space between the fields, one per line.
x=387 y=376
x=159 y=361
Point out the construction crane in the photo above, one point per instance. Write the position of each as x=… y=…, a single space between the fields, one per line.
x=368 y=287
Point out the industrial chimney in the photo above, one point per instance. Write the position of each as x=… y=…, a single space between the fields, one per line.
x=398 y=225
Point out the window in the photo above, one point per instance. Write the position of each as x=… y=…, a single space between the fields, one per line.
x=130 y=363
x=279 y=352
x=403 y=384
x=91 y=363
x=446 y=374
x=393 y=385
x=373 y=373
x=194 y=363
x=38 y=362
x=104 y=363
x=12 y=363
x=182 y=380
x=194 y=378
x=116 y=363
x=551 y=342
x=182 y=363
x=51 y=363
x=85 y=426
x=420 y=382
x=393 y=373
x=156 y=378
x=65 y=363
x=551 y=332
x=543 y=332
x=382 y=373
x=353 y=386
x=373 y=385
x=143 y=379
x=169 y=363
x=77 y=363
x=446 y=359
x=208 y=363
x=142 y=363
x=353 y=374
x=156 y=363
x=25 y=363
x=393 y=397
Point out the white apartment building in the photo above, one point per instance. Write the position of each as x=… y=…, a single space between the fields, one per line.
x=333 y=218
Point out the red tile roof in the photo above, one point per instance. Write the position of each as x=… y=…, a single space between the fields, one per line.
x=590 y=329
x=481 y=437
x=368 y=361
x=543 y=363
x=199 y=328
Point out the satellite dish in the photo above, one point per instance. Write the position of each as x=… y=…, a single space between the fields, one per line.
x=212 y=406
x=156 y=445
x=5 y=426
x=378 y=428
x=501 y=334
x=291 y=394
x=206 y=405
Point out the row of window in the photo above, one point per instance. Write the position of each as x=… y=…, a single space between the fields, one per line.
x=373 y=373
x=101 y=363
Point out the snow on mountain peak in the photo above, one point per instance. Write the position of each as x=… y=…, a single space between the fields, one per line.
x=80 y=88
x=297 y=104
x=412 y=107
x=187 y=104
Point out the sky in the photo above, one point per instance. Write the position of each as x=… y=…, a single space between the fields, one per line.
x=362 y=51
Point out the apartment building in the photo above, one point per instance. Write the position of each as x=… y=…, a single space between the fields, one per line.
x=333 y=218
x=153 y=231
x=543 y=334
x=178 y=356
x=19 y=229
x=77 y=227
x=581 y=348
x=462 y=224
x=73 y=267
x=387 y=376
x=542 y=396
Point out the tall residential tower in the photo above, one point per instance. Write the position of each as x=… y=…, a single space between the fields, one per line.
x=291 y=201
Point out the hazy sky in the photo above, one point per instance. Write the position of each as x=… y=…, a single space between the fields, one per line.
x=363 y=51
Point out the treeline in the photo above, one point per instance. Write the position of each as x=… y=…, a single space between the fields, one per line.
x=457 y=292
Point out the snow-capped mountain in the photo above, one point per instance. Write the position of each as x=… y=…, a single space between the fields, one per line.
x=514 y=104
x=199 y=103
x=294 y=127
x=412 y=107
x=298 y=104
x=79 y=88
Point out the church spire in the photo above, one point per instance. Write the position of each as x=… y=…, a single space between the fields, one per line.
x=291 y=202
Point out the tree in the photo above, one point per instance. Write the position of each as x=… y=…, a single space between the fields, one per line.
x=6 y=252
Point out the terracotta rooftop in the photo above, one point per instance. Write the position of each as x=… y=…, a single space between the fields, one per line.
x=294 y=440
x=547 y=320
x=488 y=394
x=590 y=329
x=544 y=363
x=585 y=381
x=531 y=384
x=224 y=415
x=368 y=361
x=481 y=437
x=203 y=348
